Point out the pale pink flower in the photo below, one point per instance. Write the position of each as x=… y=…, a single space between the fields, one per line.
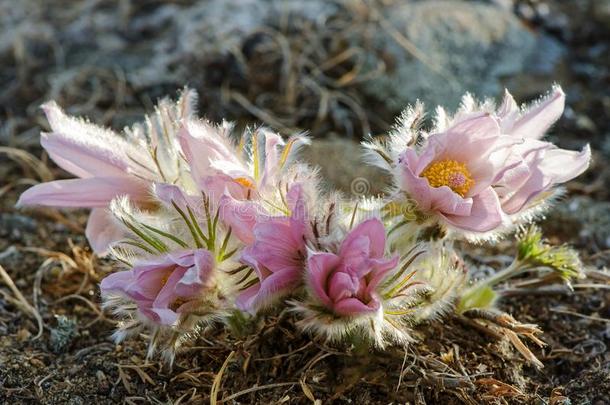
x=277 y=253
x=535 y=166
x=453 y=174
x=346 y=283
x=484 y=167
x=166 y=286
x=108 y=165
x=218 y=166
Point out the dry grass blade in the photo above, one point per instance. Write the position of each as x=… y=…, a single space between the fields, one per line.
x=27 y=160
x=254 y=389
x=497 y=388
x=21 y=302
x=522 y=348
x=306 y=390
x=218 y=379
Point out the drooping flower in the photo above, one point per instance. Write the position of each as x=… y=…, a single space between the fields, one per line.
x=277 y=253
x=345 y=282
x=164 y=287
x=109 y=165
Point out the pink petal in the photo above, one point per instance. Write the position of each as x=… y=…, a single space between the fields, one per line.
x=476 y=136
x=198 y=276
x=116 y=282
x=241 y=216
x=82 y=159
x=276 y=246
x=486 y=214
x=353 y=306
x=167 y=294
x=445 y=200
x=539 y=117
x=207 y=150
x=418 y=188
x=508 y=112
x=371 y=229
x=548 y=167
x=562 y=165
x=102 y=231
x=246 y=300
x=275 y=286
x=218 y=184
x=342 y=285
x=87 y=150
x=319 y=268
x=89 y=193
x=380 y=268
x=271 y=159
x=162 y=316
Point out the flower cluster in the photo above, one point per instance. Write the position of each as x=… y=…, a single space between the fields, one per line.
x=210 y=224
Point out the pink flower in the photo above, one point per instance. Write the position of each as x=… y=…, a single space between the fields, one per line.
x=107 y=165
x=535 y=166
x=218 y=166
x=166 y=286
x=346 y=282
x=452 y=176
x=484 y=167
x=277 y=253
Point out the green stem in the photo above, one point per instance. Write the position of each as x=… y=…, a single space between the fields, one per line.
x=482 y=294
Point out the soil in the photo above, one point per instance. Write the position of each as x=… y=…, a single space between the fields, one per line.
x=75 y=361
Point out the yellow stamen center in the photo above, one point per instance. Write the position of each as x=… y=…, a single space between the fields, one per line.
x=449 y=173
x=244 y=182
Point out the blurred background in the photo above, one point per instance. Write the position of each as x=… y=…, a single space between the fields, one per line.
x=337 y=69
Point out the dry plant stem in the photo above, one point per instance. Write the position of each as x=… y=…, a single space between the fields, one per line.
x=22 y=302
x=218 y=379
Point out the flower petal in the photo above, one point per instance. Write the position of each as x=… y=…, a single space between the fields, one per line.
x=241 y=216
x=539 y=117
x=87 y=150
x=319 y=268
x=371 y=229
x=486 y=213
x=353 y=306
x=198 y=276
x=102 y=231
x=89 y=193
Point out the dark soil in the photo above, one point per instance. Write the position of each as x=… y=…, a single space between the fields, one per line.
x=74 y=361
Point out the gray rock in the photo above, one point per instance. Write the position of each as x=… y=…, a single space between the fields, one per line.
x=342 y=168
x=461 y=46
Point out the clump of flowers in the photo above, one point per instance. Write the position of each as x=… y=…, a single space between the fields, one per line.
x=208 y=225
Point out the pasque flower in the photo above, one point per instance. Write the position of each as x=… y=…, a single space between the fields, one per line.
x=345 y=282
x=484 y=166
x=163 y=287
x=108 y=164
x=277 y=253
x=452 y=175
x=218 y=166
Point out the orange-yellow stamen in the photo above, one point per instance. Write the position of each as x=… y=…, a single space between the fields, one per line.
x=244 y=182
x=450 y=173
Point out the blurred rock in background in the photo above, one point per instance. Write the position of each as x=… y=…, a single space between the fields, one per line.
x=341 y=68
